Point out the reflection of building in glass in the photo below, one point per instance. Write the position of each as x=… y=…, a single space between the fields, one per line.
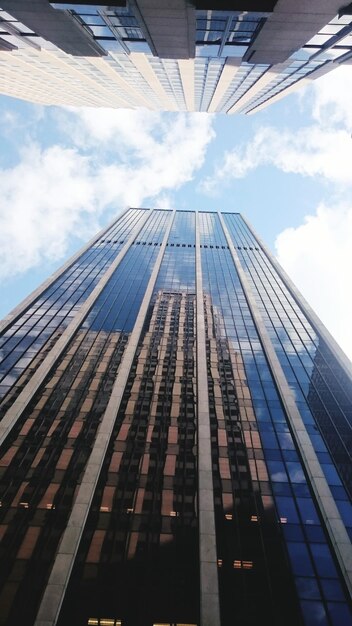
x=222 y=57
x=174 y=438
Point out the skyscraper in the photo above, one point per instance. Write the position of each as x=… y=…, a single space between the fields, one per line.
x=175 y=437
x=181 y=55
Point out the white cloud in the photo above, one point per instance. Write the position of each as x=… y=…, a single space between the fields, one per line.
x=318 y=257
x=311 y=151
x=332 y=98
x=119 y=130
x=58 y=191
x=43 y=200
x=164 y=201
x=322 y=149
x=318 y=253
x=156 y=153
x=142 y=133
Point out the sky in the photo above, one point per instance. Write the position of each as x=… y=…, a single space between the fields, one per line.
x=65 y=173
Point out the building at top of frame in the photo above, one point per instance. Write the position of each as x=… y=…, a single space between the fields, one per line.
x=175 y=437
x=215 y=56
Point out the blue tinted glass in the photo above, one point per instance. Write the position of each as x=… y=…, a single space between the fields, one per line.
x=301 y=490
x=308 y=511
x=318 y=443
x=331 y=474
x=307 y=588
x=281 y=489
x=269 y=440
x=340 y=614
x=287 y=509
x=277 y=471
x=323 y=560
x=278 y=415
x=295 y=472
x=345 y=509
x=117 y=306
x=314 y=613
x=338 y=492
x=300 y=559
x=292 y=532
x=315 y=534
x=286 y=442
x=332 y=589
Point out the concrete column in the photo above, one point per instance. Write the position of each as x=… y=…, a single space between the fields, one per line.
x=333 y=523
x=186 y=67
x=21 y=402
x=54 y=593
x=209 y=586
x=55 y=26
x=170 y=27
x=228 y=73
x=289 y=27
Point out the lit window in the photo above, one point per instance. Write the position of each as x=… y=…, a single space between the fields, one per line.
x=238 y=564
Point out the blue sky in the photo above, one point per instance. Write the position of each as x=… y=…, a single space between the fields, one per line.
x=65 y=173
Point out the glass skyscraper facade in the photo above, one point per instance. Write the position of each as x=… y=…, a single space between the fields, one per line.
x=175 y=438
x=227 y=56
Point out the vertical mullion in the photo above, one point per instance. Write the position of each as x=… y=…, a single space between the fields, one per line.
x=19 y=405
x=332 y=520
x=209 y=586
x=54 y=593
